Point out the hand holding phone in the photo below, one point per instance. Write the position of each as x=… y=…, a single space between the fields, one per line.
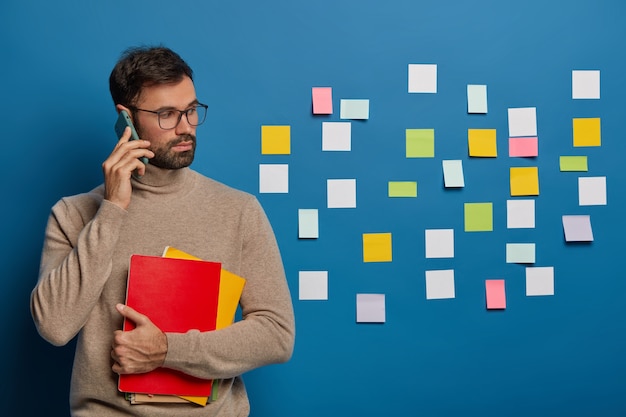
x=123 y=120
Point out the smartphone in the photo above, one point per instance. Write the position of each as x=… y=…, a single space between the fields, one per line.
x=123 y=120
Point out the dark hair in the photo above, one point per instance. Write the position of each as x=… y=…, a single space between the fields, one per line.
x=139 y=67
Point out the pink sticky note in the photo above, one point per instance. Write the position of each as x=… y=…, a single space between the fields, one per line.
x=523 y=147
x=322 y=100
x=496 y=298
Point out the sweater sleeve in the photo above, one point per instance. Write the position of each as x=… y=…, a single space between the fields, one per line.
x=266 y=333
x=75 y=265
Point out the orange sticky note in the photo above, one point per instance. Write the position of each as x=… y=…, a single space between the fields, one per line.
x=523 y=147
x=524 y=181
x=587 y=132
x=496 y=297
x=482 y=142
x=322 y=100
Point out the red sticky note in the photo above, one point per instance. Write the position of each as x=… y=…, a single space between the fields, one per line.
x=523 y=147
x=496 y=297
x=322 y=100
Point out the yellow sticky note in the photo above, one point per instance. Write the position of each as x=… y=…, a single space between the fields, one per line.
x=377 y=247
x=524 y=181
x=275 y=140
x=587 y=132
x=478 y=217
x=482 y=142
x=402 y=189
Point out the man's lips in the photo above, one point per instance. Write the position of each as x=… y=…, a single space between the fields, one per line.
x=183 y=146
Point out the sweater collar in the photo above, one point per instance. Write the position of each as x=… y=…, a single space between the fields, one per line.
x=165 y=180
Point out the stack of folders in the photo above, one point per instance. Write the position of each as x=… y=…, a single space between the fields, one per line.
x=178 y=292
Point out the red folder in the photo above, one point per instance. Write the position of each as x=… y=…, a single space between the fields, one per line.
x=177 y=295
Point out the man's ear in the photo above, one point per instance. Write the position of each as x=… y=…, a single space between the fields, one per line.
x=119 y=108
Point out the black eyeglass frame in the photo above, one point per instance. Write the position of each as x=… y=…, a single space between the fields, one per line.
x=180 y=114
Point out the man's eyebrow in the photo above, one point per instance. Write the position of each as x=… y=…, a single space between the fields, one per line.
x=193 y=103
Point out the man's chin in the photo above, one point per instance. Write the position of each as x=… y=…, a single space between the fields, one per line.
x=178 y=161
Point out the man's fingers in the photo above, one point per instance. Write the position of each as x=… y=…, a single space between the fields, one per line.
x=131 y=314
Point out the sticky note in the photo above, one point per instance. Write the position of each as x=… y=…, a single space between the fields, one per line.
x=439 y=243
x=539 y=280
x=520 y=253
x=573 y=163
x=440 y=284
x=577 y=228
x=478 y=217
x=402 y=188
x=275 y=140
x=453 y=173
x=322 y=98
x=523 y=147
x=308 y=223
x=422 y=78
x=273 y=178
x=377 y=247
x=587 y=132
x=496 y=296
x=420 y=143
x=477 y=99
x=313 y=285
x=336 y=136
x=482 y=142
x=370 y=308
x=520 y=214
x=356 y=109
x=524 y=181
x=585 y=84
x=341 y=193
x=592 y=191
x=522 y=122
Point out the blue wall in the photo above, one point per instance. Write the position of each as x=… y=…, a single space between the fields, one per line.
x=255 y=64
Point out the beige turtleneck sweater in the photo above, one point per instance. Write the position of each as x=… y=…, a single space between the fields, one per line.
x=84 y=267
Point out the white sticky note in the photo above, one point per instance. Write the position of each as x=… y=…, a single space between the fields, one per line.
x=336 y=136
x=453 y=174
x=341 y=193
x=440 y=243
x=422 y=78
x=477 y=99
x=520 y=214
x=577 y=228
x=273 y=178
x=586 y=84
x=540 y=280
x=313 y=285
x=523 y=122
x=355 y=109
x=520 y=253
x=370 y=308
x=440 y=284
x=308 y=224
x=592 y=191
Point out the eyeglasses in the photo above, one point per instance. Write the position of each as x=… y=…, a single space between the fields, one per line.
x=170 y=118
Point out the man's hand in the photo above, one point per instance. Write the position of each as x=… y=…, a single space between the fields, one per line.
x=119 y=166
x=139 y=350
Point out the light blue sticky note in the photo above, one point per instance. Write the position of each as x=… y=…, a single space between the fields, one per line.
x=354 y=109
x=453 y=173
x=308 y=224
x=520 y=253
x=477 y=99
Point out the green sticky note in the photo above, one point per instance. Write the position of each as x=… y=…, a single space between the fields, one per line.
x=478 y=217
x=520 y=253
x=356 y=109
x=420 y=143
x=402 y=189
x=573 y=163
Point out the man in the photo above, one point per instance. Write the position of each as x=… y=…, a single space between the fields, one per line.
x=90 y=238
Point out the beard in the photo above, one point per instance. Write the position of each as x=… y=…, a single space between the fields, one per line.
x=165 y=158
